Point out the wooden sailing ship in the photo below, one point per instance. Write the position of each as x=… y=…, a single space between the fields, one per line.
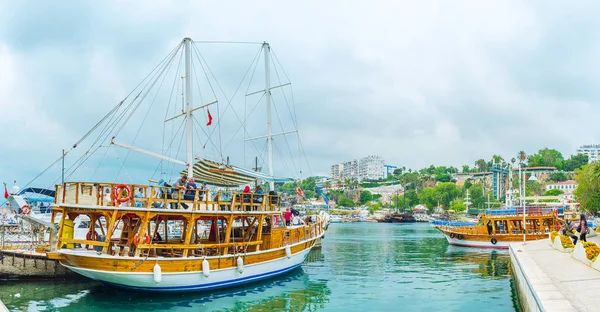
x=501 y=230
x=223 y=243
x=178 y=237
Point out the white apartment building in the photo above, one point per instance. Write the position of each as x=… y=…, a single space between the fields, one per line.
x=592 y=150
x=566 y=186
x=350 y=170
x=337 y=171
x=366 y=168
x=370 y=168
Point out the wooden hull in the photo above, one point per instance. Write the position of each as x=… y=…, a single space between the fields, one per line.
x=487 y=241
x=184 y=274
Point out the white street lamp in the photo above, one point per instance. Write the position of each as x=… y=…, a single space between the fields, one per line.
x=532 y=178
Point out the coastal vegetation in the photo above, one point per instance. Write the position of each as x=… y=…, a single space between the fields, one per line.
x=439 y=186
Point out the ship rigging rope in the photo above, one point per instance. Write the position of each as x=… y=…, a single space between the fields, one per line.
x=146 y=115
x=112 y=122
x=148 y=89
x=174 y=90
x=292 y=114
x=284 y=136
x=229 y=99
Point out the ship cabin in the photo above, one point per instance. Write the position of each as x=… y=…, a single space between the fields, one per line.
x=157 y=221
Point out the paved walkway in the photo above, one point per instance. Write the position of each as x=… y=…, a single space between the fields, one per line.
x=560 y=282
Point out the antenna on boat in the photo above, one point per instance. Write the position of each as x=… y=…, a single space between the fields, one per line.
x=188 y=106
x=267 y=50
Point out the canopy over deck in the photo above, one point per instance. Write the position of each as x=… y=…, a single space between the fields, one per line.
x=218 y=174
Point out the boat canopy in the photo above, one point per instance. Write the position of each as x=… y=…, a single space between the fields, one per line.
x=37 y=190
x=218 y=174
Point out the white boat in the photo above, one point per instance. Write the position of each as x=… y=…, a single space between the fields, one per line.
x=335 y=219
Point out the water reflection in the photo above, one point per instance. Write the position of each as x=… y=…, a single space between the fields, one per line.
x=293 y=292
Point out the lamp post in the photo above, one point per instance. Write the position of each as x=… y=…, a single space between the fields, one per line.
x=533 y=178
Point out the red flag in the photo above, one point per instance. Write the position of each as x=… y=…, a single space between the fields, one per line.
x=5 y=191
x=209 y=118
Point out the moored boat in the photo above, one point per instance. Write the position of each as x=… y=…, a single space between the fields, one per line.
x=180 y=237
x=247 y=241
x=500 y=230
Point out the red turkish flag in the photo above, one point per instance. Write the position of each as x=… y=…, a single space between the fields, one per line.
x=5 y=192
x=209 y=118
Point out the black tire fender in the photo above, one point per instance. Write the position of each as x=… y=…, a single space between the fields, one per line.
x=460 y=236
x=451 y=235
x=494 y=241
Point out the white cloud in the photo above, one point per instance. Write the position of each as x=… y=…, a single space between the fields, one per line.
x=415 y=82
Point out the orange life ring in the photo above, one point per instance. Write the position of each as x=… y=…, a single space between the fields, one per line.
x=136 y=241
x=25 y=209
x=299 y=192
x=117 y=193
x=93 y=236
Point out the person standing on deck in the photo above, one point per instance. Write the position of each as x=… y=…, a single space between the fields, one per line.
x=287 y=215
x=181 y=185
x=190 y=192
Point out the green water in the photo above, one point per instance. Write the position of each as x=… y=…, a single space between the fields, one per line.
x=361 y=267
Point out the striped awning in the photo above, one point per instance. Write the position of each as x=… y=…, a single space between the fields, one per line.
x=218 y=174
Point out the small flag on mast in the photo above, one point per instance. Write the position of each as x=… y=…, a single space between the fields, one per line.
x=209 y=118
x=5 y=191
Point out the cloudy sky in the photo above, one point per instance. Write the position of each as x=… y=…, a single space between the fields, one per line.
x=418 y=83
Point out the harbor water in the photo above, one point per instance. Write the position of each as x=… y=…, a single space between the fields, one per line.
x=360 y=267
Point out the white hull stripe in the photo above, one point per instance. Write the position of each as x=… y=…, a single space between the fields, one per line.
x=229 y=283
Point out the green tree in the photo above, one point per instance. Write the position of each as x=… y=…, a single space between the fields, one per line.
x=546 y=157
x=553 y=192
x=427 y=197
x=481 y=165
x=478 y=198
x=533 y=188
x=466 y=169
x=412 y=198
x=365 y=197
x=457 y=205
x=575 y=162
x=345 y=202
x=467 y=184
x=446 y=192
x=558 y=176
x=588 y=190
x=444 y=177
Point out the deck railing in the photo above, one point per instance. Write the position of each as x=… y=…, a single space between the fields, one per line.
x=149 y=196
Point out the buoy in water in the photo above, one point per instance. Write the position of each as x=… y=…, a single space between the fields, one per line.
x=205 y=268
x=157 y=274
x=288 y=251
x=240 y=264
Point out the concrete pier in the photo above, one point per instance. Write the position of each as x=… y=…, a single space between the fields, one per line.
x=2 y=307
x=27 y=263
x=549 y=280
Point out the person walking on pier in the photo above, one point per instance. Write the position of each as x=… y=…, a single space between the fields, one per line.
x=582 y=228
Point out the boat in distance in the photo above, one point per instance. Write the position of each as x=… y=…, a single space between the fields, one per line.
x=500 y=230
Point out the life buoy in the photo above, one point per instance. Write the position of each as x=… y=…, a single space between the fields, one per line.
x=299 y=192
x=452 y=235
x=494 y=241
x=117 y=193
x=25 y=209
x=460 y=236
x=136 y=240
x=93 y=236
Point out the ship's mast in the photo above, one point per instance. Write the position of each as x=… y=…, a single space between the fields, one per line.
x=267 y=50
x=188 y=106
